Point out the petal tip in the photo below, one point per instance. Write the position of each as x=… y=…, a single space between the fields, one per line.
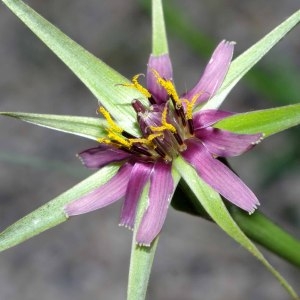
x=143 y=244
x=127 y=226
x=254 y=208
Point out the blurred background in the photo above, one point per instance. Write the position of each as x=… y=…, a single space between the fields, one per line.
x=88 y=257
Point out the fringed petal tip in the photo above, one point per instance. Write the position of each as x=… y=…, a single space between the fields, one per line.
x=255 y=207
x=127 y=226
x=142 y=244
x=261 y=136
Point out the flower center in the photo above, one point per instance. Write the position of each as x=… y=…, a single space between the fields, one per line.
x=164 y=127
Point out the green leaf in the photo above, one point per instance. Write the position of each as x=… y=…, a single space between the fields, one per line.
x=215 y=207
x=241 y=65
x=267 y=121
x=91 y=128
x=159 y=37
x=52 y=213
x=99 y=78
x=142 y=257
x=140 y=268
x=180 y=26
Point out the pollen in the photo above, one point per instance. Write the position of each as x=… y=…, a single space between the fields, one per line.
x=114 y=131
x=136 y=85
x=112 y=124
x=169 y=87
x=190 y=106
x=164 y=124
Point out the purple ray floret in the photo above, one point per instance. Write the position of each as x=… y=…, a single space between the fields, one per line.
x=214 y=73
x=219 y=176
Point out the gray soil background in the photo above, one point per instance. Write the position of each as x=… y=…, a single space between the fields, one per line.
x=88 y=257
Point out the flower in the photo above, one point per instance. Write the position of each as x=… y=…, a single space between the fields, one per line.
x=170 y=126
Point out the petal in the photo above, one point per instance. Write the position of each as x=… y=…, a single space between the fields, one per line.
x=214 y=73
x=224 y=143
x=220 y=177
x=101 y=156
x=160 y=194
x=106 y=194
x=162 y=64
x=138 y=178
x=208 y=117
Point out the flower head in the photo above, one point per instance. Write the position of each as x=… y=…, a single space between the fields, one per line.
x=170 y=126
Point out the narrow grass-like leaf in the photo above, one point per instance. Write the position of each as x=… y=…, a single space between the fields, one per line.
x=181 y=27
x=99 y=78
x=215 y=207
x=91 y=128
x=267 y=121
x=242 y=64
x=142 y=257
x=159 y=37
x=52 y=213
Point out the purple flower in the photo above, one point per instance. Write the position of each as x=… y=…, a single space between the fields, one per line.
x=169 y=127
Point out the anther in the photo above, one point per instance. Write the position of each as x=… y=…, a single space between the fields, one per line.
x=191 y=126
x=178 y=138
x=159 y=151
x=140 y=150
x=138 y=106
x=182 y=116
x=128 y=135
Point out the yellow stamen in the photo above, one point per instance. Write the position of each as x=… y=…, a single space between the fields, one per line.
x=115 y=137
x=113 y=130
x=112 y=125
x=190 y=106
x=169 y=87
x=104 y=141
x=152 y=136
x=164 y=124
x=136 y=85
x=148 y=140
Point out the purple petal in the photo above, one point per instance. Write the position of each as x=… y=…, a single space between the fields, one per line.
x=224 y=143
x=208 y=117
x=214 y=73
x=161 y=191
x=102 y=196
x=101 y=156
x=220 y=177
x=139 y=175
x=162 y=64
